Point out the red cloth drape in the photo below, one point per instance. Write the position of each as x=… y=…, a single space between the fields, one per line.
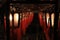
x=23 y=25
x=40 y=18
x=43 y=25
x=5 y=22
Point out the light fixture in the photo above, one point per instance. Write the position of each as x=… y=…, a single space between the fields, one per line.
x=10 y=18
x=16 y=17
x=47 y=18
x=52 y=19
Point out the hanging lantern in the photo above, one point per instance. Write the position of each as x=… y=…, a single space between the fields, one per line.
x=16 y=16
x=15 y=19
x=47 y=18
x=52 y=19
x=10 y=18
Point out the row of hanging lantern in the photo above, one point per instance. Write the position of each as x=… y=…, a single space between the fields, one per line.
x=20 y=20
x=50 y=16
x=16 y=17
x=49 y=22
x=13 y=17
x=13 y=22
x=17 y=13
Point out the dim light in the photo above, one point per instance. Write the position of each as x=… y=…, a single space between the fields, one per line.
x=59 y=15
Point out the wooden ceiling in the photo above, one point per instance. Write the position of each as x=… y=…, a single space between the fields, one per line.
x=32 y=6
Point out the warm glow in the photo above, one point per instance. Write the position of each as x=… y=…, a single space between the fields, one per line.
x=44 y=17
x=5 y=22
x=20 y=17
x=10 y=17
x=47 y=17
x=52 y=19
x=59 y=16
x=16 y=16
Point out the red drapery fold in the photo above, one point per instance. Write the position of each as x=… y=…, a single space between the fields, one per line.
x=43 y=25
x=24 y=24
